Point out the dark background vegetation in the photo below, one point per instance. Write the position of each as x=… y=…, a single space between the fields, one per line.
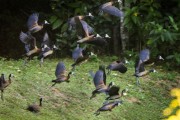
x=13 y=18
x=154 y=23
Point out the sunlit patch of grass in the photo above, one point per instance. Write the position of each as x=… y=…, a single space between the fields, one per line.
x=71 y=100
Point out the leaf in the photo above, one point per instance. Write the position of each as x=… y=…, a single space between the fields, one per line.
x=134 y=19
x=152 y=32
x=74 y=5
x=128 y=12
x=61 y=41
x=64 y=27
x=53 y=19
x=134 y=8
x=170 y=57
x=150 y=41
x=56 y=24
x=173 y=23
x=162 y=37
x=126 y=21
x=78 y=10
x=177 y=58
x=168 y=35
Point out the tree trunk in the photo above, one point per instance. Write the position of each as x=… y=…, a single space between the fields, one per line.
x=116 y=47
x=123 y=33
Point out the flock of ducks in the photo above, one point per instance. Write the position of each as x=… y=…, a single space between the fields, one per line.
x=86 y=36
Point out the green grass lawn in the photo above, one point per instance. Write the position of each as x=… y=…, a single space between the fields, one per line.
x=70 y=101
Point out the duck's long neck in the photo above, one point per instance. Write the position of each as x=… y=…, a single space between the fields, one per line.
x=9 y=79
x=2 y=77
x=110 y=84
x=69 y=74
x=138 y=66
x=40 y=103
x=122 y=93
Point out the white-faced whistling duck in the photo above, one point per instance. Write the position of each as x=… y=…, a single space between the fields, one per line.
x=61 y=74
x=79 y=56
x=108 y=106
x=94 y=40
x=114 y=93
x=4 y=83
x=35 y=107
x=154 y=61
x=77 y=52
x=139 y=65
x=117 y=66
x=72 y=22
x=1 y=85
x=30 y=44
x=141 y=72
x=102 y=68
x=100 y=85
x=27 y=40
x=33 y=25
x=82 y=28
x=47 y=49
x=112 y=10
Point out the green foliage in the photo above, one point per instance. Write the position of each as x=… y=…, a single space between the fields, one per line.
x=174 y=58
x=147 y=24
x=94 y=58
x=144 y=20
x=64 y=10
x=131 y=53
x=170 y=76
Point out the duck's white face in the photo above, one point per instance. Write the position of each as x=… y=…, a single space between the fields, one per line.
x=154 y=71
x=107 y=36
x=90 y=14
x=91 y=54
x=126 y=61
x=118 y=104
x=45 y=46
x=46 y=22
x=113 y=83
x=54 y=46
x=124 y=94
x=160 y=57
x=11 y=75
x=97 y=35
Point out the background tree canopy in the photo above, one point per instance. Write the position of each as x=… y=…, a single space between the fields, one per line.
x=147 y=22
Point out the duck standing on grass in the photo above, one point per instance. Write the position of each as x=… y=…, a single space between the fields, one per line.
x=4 y=83
x=34 y=107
